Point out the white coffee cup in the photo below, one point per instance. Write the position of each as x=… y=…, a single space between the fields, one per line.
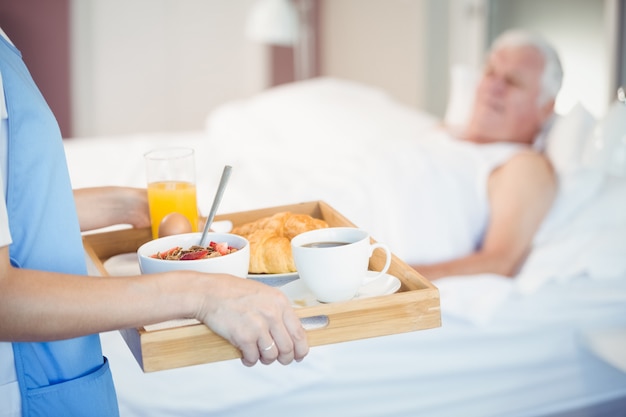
x=333 y=262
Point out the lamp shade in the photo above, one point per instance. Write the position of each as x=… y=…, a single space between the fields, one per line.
x=273 y=22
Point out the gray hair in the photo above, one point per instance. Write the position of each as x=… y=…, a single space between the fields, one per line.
x=552 y=76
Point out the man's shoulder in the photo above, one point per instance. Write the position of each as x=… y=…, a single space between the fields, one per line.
x=528 y=159
x=526 y=167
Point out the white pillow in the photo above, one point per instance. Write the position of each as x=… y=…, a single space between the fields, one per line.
x=463 y=83
x=567 y=138
x=576 y=191
x=592 y=242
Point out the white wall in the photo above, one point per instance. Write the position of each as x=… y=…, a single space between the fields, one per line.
x=377 y=42
x=159 y=65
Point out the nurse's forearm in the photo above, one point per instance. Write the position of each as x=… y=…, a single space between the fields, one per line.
x=41 y=306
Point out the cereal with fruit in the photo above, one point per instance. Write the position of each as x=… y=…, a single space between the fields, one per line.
x=195 y=252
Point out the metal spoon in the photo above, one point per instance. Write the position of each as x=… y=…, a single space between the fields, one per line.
x=216 y=203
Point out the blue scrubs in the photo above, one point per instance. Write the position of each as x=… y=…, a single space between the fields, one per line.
x=68 y=377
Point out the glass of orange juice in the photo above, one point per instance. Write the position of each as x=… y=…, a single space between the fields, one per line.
x=171 y=177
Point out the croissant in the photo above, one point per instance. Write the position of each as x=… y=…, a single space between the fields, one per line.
x=270 y=240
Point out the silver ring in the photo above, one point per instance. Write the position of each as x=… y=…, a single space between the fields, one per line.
x=269 y=347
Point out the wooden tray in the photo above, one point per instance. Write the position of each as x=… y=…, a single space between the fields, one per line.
x=414 y=307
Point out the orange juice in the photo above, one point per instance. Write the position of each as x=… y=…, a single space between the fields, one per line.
x=172 y=197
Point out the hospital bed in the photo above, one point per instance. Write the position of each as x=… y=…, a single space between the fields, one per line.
x=551 y=342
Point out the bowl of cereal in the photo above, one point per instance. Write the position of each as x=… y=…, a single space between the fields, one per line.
x=224 y=253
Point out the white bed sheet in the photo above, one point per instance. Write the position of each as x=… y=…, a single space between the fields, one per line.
x=531 y=361
x=527 y=347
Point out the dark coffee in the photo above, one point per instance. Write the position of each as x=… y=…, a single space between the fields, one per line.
x=324 y=244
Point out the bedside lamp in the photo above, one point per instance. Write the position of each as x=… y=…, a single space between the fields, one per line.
x=285 y=23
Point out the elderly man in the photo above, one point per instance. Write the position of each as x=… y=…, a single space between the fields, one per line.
x=514 y=98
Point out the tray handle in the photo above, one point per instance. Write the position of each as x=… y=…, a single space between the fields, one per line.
x=314 y=322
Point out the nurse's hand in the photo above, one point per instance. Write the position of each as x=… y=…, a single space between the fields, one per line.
x=257 y=319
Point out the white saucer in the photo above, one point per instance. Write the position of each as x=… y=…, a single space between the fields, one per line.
x=123 y=265
x=275 y=280
x=292 y=275
x=301 y=296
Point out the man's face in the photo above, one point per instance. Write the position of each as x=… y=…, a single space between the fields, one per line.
x=506 y=107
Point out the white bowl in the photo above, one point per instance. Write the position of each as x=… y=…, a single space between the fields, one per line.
x=236 y=263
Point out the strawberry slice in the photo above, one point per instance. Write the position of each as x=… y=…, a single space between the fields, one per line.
x=165 y=254
x=221 y=247
x=194 y=255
